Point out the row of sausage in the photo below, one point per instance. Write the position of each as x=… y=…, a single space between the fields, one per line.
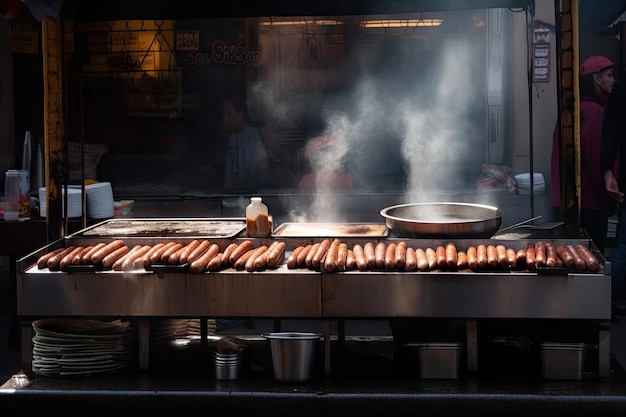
x=328 y=255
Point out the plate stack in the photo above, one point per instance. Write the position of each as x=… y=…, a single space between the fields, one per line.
x=100 y=204
x=74 y=202
x=75 y=347
x=523 y=183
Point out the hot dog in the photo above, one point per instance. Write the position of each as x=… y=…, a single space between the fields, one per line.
x=342 y=257
x=216 y=262
x=410 y=262
x=249 y=265
x=308 y=261
x=117 y=265
x=579 y=262
x=189 y=247
x=501 y=255
x=109 y=248
x=481 y=256
x=54 y=261
x=550 y=255
x=400 y=255
x=472 y=260
x=240 y=263
x=135 y=260
x=276 y=254
x=155 y=257
x=169 y=251
x=242 y=248
x=431 y=256
x=520 y=257
x=322 y=250
x=319 y=255
x=292 y=260
x=78 y=259
x=492 y=256
x=330 y=261
x=441 y=257
x=422 y=259
x=381 y=249
x=42 y=262
x=303 y=255
x=511 y=258
x=370 y=254
x=451 y=255
x=540 y=254
x=390 y=256
x=227 y=252
x=350 y=260
x=199 y=251
x=590 y=260
x=69 y=257
x=461 y=259
x=359 y=256
x=109 y=259
x=530 y=256
x=87 y=256
x=200 y=264
x=565 y=255
x=147 y=258
x=174 y=258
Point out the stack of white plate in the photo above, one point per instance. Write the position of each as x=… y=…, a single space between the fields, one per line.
x=73 y=347
x=523 y=183
x=100 y=203
x=74 y=202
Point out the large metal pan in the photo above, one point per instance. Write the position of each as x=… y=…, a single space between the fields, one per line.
x=442 y=220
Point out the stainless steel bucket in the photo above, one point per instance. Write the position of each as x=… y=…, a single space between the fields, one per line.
x=293 y=355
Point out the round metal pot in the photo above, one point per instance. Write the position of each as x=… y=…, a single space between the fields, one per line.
x=441 y=220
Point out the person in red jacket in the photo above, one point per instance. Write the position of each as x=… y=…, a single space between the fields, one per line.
x=596 y=84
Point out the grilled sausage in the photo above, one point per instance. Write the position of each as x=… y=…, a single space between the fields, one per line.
x=292 y=260
x=370 y=255
x=590 y=260
x=390 y=256
x=135 y=260
x=303 y=255
x=42 y=262
x=198 y=251
x=54 y=261
x=155 y=257
x=422 y=259
x=481 y=256
x=87 y=256
x=330 y=261
x=276 y=254
x=359 y=256
x=308 y=261
x=565 y=255
x=242 y=248
x=441 y=257
x=109 y=259
x=492 y=256
x=68 y=259
x=501 y=255
x=431 y=256
x=350 y=260
x=240 y=263
x=200 y=264
x=342 y=256
x=530 y=256
x=189 y=247
x=461 y=259
x=451 y=255
x=511 y=258
x=550 y=255
x=228 y=250
x=540 y=254
x=216 y=262
x=117 y=265
x=380 y=250
x=258 y=261
x=78 y=259
x=319 y=255
x=165 y=256
x=249 y=265
x=410 y=262
x=174 y=258
x=520 y=257
x=472 y=260
x=107 y=249
x=400 y=255
x=147 y=258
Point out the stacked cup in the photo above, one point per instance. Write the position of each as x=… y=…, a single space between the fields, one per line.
x=100 y=204
x=227 y=365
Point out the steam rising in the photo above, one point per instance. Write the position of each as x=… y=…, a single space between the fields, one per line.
x=402 y=127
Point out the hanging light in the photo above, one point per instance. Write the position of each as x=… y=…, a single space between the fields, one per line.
x=400 y=23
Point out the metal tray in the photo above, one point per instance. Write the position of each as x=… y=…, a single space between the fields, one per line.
x=171 y=227
x=310 y=230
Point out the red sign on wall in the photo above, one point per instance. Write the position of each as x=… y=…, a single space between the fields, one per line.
x=541 y=55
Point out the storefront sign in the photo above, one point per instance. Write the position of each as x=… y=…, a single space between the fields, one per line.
x=541 y=55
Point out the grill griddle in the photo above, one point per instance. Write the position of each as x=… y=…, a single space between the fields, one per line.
x=223 y=228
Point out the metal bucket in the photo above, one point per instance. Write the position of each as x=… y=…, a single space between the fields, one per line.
x=293 y=355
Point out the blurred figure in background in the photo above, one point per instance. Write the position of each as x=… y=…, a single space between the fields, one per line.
x=596 y=84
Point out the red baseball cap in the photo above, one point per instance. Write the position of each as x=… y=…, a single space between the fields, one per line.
x=595 y=63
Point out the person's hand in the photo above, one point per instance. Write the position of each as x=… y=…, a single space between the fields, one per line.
x=612 y=187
